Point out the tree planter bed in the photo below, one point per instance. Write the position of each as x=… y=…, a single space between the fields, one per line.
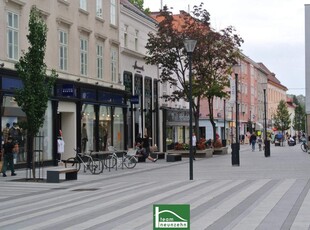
x=206 y=153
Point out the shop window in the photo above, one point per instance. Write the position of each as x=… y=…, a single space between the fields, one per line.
x=105 y=128
x=118 y=128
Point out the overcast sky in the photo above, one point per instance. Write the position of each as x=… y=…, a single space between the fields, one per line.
x=273 y=32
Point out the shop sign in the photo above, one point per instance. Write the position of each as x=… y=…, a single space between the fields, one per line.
x=134 y=99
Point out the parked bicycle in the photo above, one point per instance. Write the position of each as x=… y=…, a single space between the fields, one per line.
x=94 y=165
x=304 y=146
x=124 y=158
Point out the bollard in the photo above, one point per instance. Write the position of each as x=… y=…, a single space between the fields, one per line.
x=235 y=154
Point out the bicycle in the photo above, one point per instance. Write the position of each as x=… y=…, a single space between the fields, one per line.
x=94 y=165
x=128 y=159
x=304 y=147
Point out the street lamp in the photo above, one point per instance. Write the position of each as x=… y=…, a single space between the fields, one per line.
x=235 y=146
x=190 y=46
x=267 y=142
x=224 y=138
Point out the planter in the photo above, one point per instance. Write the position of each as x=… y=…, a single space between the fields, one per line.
x=220 y=151
x=206 y=153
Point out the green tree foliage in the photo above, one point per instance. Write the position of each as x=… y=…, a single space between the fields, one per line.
x=300 y=118
x=140 y=5
x=282 y=117
x=37 y=86
x=213 y=58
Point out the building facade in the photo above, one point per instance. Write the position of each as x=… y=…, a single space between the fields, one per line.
x=140 y=80
x=83 y=47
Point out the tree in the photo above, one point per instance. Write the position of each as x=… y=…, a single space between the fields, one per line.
x=282 y=117
x=214 y=55
x=299 y=118
x=139 y=4
x=37 y=86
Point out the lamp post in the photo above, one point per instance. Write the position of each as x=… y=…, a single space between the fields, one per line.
x=235 y=146
x=267 y=142
x=224 y=133
x=190 y=46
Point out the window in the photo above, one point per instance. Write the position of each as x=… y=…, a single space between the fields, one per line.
x=63 y=50
x=136 y=40
x=113 y=12
x=12 y=35
x=99 y=8
x=83 y=4
x=126 y=36
x=99 y=61
x=113 y=64
x=83 y=57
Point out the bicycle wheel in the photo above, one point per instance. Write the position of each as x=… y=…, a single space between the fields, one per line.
x=95 y=165
x=110 y=162
x=304 y=147
x=130 y=162
x=72 y=162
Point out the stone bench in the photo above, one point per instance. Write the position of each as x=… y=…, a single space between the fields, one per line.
x=174 y=157
x=140 y=158
x=220 y=151
x=52 y=175
x=158 y=155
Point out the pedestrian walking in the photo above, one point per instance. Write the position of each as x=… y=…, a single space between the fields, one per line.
x=9 y=148
x=253 y=139
x=260 y=143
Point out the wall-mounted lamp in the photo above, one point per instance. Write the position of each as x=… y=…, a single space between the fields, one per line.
x=111 y=86
x=97 y=83
x=78 y=79
x=2 y=65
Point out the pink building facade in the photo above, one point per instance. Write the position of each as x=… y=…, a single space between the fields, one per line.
x=251 y=79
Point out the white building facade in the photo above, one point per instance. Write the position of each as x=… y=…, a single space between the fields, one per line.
x=83 y=47
x=140 y=80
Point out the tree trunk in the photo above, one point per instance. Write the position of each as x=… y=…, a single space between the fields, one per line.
x=196 y=117
x=31 y=157
x=210 y=102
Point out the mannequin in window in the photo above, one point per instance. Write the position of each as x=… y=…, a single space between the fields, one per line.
x=84 y=137
x=60 y=146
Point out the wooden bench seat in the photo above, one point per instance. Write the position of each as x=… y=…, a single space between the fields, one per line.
x=174 y=157
x=52 y=174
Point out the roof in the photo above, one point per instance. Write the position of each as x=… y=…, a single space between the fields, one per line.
x=135 y=9
x=178 y=19
x=272 y=77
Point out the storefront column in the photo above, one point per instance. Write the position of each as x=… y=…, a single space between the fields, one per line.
x=55 y=125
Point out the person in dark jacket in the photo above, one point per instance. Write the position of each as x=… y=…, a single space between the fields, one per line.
x=253 y=139
x=9 y=148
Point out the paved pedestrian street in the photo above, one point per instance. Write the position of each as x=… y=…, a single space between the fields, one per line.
x=262 y=193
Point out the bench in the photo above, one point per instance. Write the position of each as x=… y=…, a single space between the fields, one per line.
x=174 y=157
x=140 y=158
x=52 y=175
x=158 y=155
